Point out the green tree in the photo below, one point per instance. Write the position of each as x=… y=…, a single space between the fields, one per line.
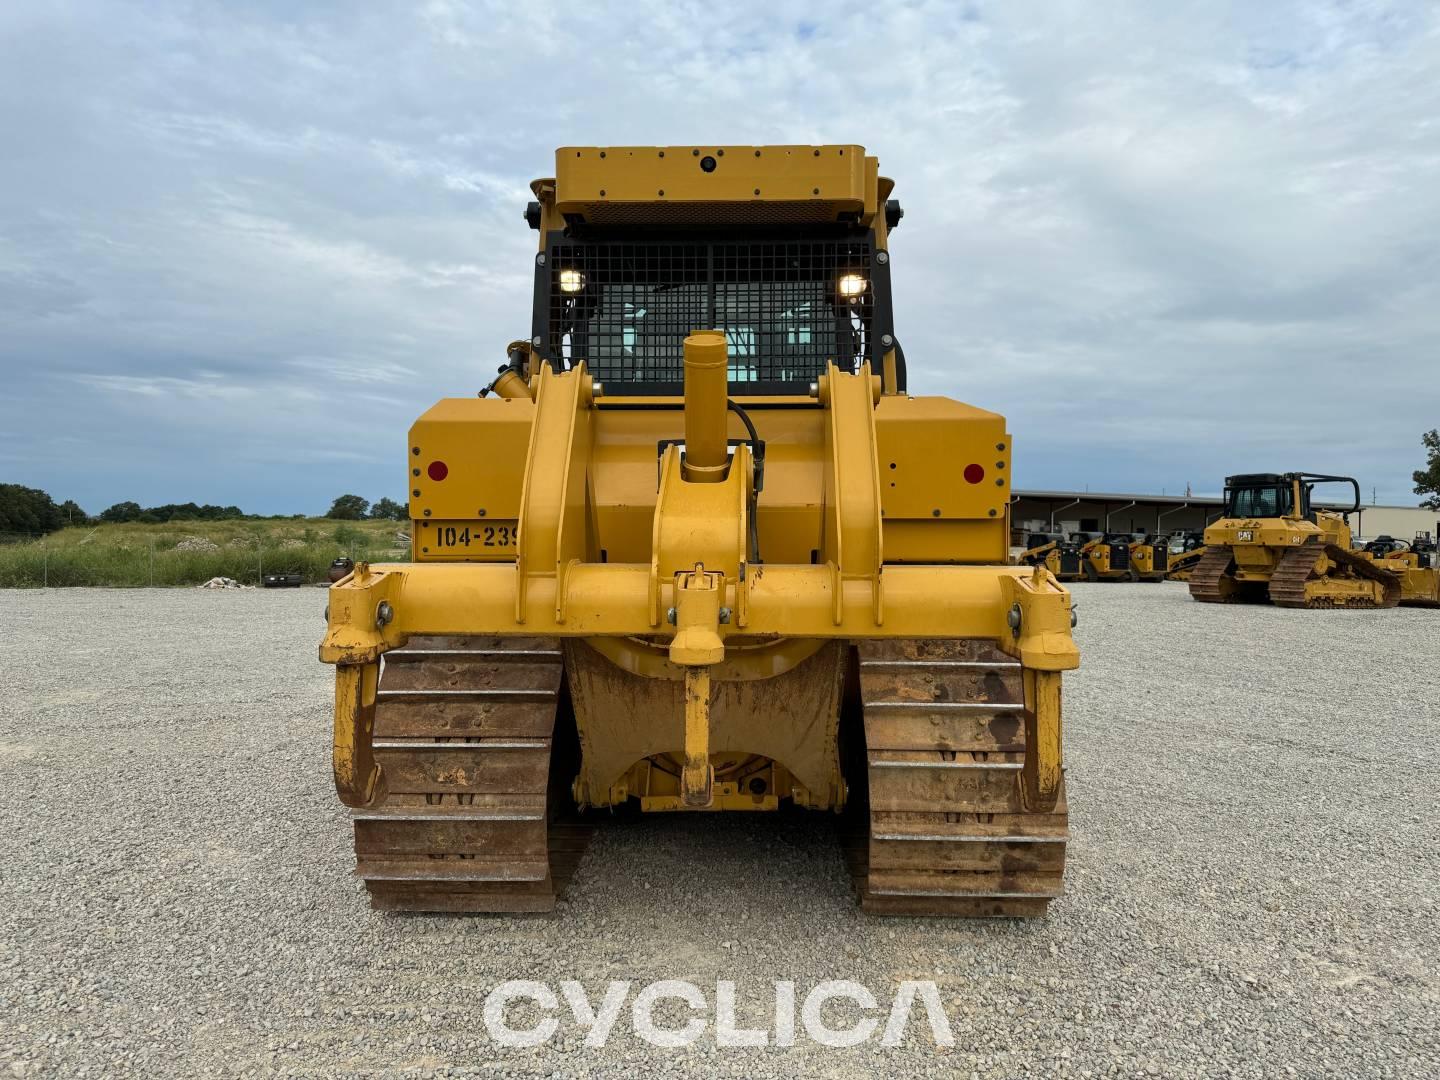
x=348 y=508
x=122 y=511
x=1427 y=480
x=27 y=510
x=71 y=513
x=388 y=510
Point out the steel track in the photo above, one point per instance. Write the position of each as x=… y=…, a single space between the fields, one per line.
x=947 y=831
x=465 y=729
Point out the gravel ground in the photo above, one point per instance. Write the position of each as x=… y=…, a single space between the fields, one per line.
x=1252 y=886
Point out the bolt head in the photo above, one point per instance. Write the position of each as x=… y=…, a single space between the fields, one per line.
x=724 y=614
x=886 y=340
x=540 y=259
x=882 y=257
x=535 y=341
x=671 y=615
x=1012 y=619
x=384 y=614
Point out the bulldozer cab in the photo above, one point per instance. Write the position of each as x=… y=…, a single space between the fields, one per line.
x=1260 y=495
x=788 y=301
x=627 y=269
x=1279 y=495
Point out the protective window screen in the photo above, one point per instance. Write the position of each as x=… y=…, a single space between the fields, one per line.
x=1261 y=502
x=786 y=307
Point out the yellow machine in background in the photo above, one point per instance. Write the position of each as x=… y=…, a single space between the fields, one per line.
x=1098 y=557
x=1149 y=558
x=1271 y=544
x=1057 y=553
x=1042 y=549
x=702 y=551
x=1068 y=561
x=1413 y=562
x=1105 y=557
x=1186 y=549
x=1038 y=547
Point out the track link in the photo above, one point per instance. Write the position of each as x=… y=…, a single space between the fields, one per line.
x=464 y=729
x=948 y=833
x=1210 y=582
x=1297 y=567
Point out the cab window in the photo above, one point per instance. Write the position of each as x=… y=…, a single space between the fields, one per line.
x=1259 y=502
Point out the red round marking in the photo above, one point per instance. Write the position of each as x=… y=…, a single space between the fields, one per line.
x=973 y=473
x=438 y=470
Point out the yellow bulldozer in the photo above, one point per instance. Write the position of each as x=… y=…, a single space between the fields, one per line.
x=697 y=548
x=1414 y=562
x=1272 y=544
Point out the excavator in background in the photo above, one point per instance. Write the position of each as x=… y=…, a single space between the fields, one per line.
x=699 y=549
x=1271 y=544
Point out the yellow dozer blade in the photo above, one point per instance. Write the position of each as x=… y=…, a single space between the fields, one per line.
x=697 y=549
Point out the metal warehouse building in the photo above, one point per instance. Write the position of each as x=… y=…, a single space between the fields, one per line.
x=1093 y=511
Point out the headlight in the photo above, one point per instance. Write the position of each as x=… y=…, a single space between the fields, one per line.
x=571 y=281
x=851 y=286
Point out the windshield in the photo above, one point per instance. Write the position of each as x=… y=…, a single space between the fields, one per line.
x=1259 y=502
x=787 y=307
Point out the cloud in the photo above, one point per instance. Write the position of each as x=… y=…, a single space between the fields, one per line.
x=242 y=247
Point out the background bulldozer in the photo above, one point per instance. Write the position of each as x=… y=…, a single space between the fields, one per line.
x=1272 y=544
x=697 y=549
x=1413 y=562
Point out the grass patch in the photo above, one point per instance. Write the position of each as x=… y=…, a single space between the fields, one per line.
x=177 y=553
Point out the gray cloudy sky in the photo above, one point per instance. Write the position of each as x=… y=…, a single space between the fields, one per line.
x=242 y=246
